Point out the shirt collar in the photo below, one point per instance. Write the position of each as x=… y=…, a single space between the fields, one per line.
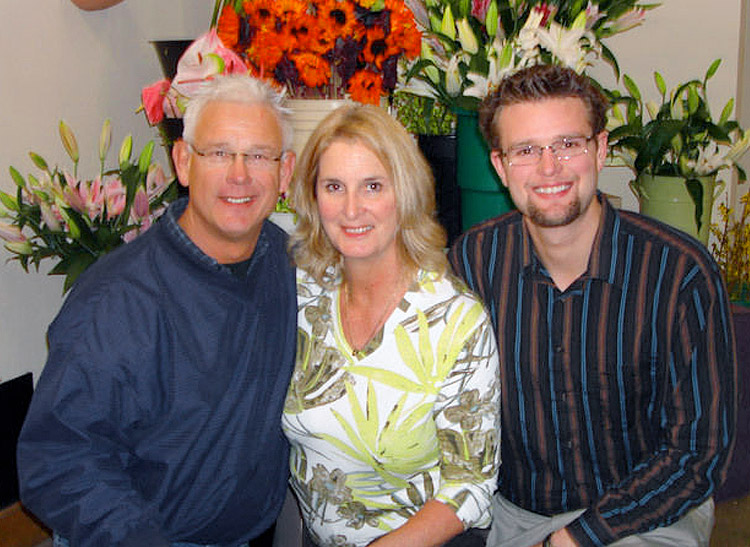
x=175 y=231
x=598 y=263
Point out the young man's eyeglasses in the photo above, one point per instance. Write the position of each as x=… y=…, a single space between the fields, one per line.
x=562 y=149
x=219 y=157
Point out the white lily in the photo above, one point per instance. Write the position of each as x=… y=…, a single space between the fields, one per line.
x=453 y=76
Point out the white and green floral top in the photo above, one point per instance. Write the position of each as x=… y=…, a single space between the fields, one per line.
x=411 y=417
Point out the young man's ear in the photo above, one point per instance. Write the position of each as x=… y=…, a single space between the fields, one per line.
x=496 y=157
x=602 y=142
x=181 y=159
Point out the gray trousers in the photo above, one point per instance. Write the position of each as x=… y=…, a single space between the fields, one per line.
x=516 y=527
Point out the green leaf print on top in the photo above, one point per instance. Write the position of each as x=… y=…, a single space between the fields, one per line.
x=431 y=367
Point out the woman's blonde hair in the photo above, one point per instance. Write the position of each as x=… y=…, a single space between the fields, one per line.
x=420 y=238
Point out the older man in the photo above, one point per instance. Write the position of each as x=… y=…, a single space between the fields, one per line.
x=156 y=420
x=615 y=340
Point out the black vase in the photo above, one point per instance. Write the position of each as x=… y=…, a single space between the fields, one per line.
x=169 y=52
x=440 y=153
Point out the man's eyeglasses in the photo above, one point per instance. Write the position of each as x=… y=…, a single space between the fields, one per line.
x=562 y=149
x=219 y=157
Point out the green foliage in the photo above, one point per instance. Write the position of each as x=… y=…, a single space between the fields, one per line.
x=423 y=115
x=677 y=137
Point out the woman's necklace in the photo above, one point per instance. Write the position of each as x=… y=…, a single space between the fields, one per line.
x=346 y=317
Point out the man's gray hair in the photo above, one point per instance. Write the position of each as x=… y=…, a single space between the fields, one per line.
x=237 y=88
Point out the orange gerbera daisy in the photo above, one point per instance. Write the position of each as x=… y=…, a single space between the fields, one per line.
x=337 y=19
x=228 y=27
x=365 y=86
x=313 y=70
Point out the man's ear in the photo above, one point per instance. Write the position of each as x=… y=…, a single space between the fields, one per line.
x=602 y=142
x=181 y=159
x=288 y=159
x=496 y=158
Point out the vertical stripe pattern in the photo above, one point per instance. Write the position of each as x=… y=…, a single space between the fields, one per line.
x=618 y=393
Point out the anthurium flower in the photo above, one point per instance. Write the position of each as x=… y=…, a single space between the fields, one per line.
x=152 y=98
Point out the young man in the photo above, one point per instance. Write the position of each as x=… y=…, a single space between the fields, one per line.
x=156 y=421
x=616 y=349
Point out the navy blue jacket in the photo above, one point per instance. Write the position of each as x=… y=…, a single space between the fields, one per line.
x=157 y=416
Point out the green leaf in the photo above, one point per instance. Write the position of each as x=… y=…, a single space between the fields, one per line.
x=660 y=84
x=712 y=70
x=632 y=88
x=726 y=111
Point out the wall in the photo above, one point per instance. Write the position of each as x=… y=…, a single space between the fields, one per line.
x=63 y=63
x=59 y=62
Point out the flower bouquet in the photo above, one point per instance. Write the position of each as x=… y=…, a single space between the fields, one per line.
x=56 y=214
x=330 y=49
x=468 y=47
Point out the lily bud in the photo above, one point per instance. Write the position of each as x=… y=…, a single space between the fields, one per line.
x=11 y=233
x=448 y=25
x=653 y=109
x=105 y=138
x=20 y=248
x=145 y=159
x=125 y=150
x=491 y=20
x=69 y=141
x=466 y=37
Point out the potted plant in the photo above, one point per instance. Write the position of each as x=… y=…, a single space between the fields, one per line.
x=468 y=47
x=676 y=149
x=59 y=215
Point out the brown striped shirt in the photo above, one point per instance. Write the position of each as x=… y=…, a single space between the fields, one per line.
x=618 y=394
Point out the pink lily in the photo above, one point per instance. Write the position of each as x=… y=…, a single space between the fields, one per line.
x=114 y=197
x=140 y=205
x=156 y=182
x=479 y=8
x=93 y=197
x=51 y=216
x=71 y=194
x=628 y=20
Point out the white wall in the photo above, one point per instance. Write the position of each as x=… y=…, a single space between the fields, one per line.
x=680 y=39
x=59 y=62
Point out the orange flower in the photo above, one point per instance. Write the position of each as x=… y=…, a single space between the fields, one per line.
x=365 y=86
x=404 y=32
x=228 y=27
x=313 y=70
